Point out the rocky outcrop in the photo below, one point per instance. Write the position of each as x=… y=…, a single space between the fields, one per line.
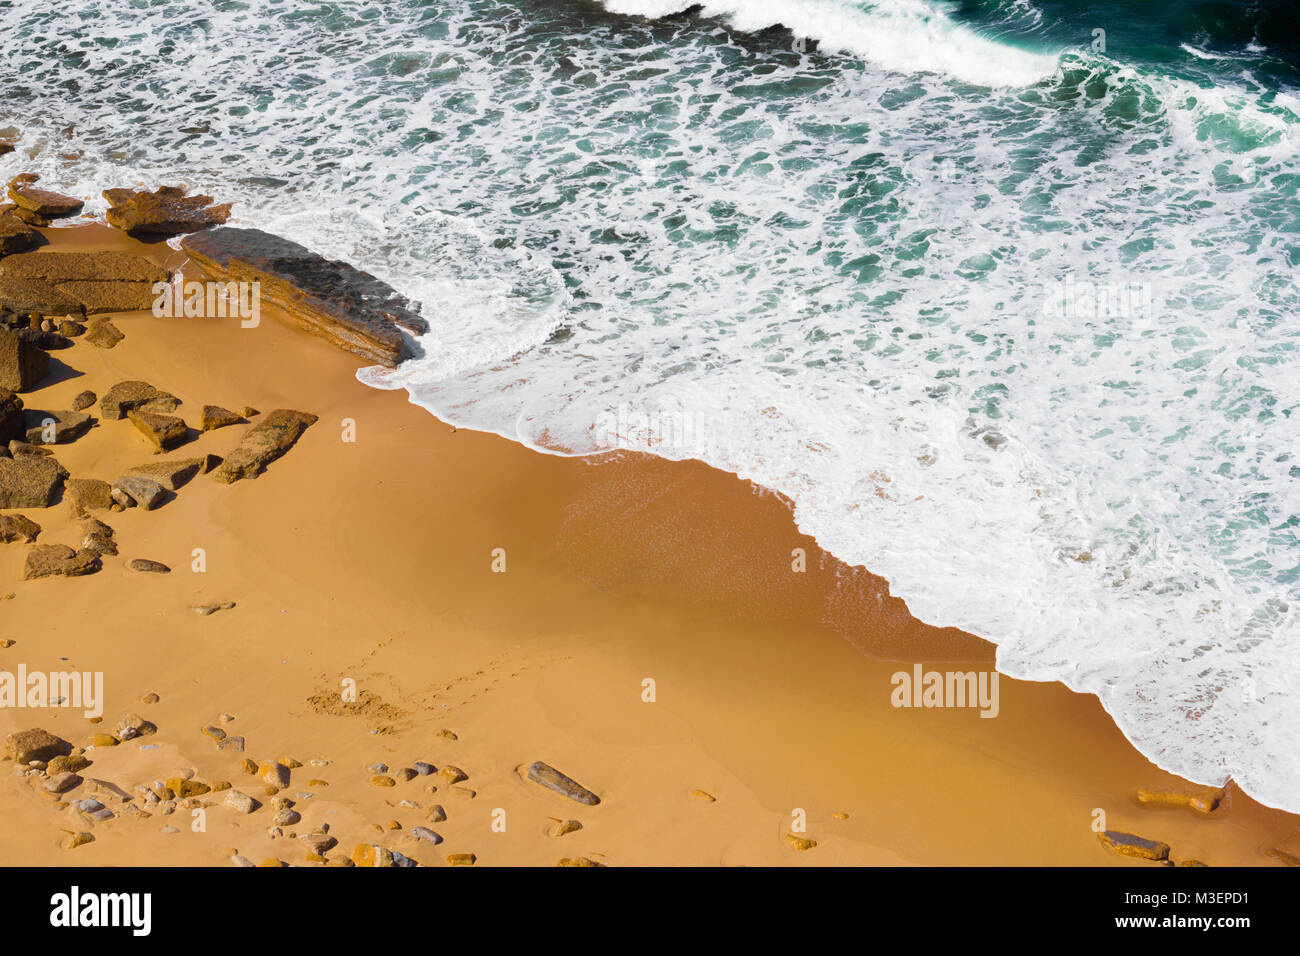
x=42 y=202
x=22 y=364
x=167 y=211
x=125 y=396
x=73 y=283
x=262 y=444
x=348 y=307
x=29 y=481
x=58 y=560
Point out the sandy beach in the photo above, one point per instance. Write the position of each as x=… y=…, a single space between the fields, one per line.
x=379 y=561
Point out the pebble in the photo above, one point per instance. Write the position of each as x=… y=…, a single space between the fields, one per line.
x=240 y=802
x=704 y=795
x=565 y=826
x=425 y=834
x=380 y=780
x=241 y=860
x=453 y=774
x=287 y=818
x=437 y=814
x=216 y=733
x=550 y=778
x=424 y=769
x=461 y=859
x=800 y=843
x=203 y=610
x=378 y=768
x=406 y=773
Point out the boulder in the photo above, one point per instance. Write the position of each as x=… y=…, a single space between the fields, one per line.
x=88 y=494
x=50 y=560
x=130 y=491
x=262 y=444
x=125 y=396
x=55 y=428
x=104 y=334
x=29 y=481
x=1128 y=844
x=164 y=432
x=566 y=786
x=42 y=202
x=84 y=400
x=350 y=308
x=171 y=474
x=167 y=211
x=214 y=416
x=22 y=364
x=15 y=235
x=11 y=416
x=35 y=744
x=18 y=528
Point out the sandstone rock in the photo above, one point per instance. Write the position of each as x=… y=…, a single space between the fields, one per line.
x=437 y=814
x=132 y=726
x=22 y=364
x=1204 y=800
x=62 y=782
x=35 y=744
x=262 y=444
x=566 y=786
x=704 y=795
x=461 y=859
x=33 y=295
x=274 y=773
x=318 y=842
x=165 y=212
x=1128 y=844
x=348 y=307
x=29 y=482
x=50 y=560
x=248 y=411
x=382 y=780
x=15 y=235
x=43 y=202
x=447 y=734
x=11 y=417
x=45 y=339
x=71 y=328
x=18 y=528
x=367 y=854
x=184 y=788
x=287 y=818
x=214 y=416
x=172 y=474
x=565 y=826
x=55 y=428
x=84 y=400
x=104 y=334
x=453 y=774
x=233 y=744
x=125 y=396
x=425 y=834
x=240 y=802
x=98 y=537
x=103 y=740
x=87 y=494
x=203 y=610
x=138 y=492
x=798 y=842
x=75 y=840
x=85 y=282
x=579 y=861
x=164 y=432
x=423 y=768
x=149 y=567
x=67 y=764
x=406 y=773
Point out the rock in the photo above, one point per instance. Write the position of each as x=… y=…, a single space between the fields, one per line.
x=348 y=307
x=84 y=400
x=406 y=773
x=262 y=444
x=149 y=567
x=78 y=839
x=1205 y=800
x=704 y=795
x=461 y=859
x=203 y=610
x=274 y=773
x=287 y=818
x=132 y=726
x=172 y=474
x=240 y=802
x=71 y=328
x=437 y=814
x=565 y=826
x=125 y=396
x=579 y=861
x=103 y=333
x=425 y=834
x=70 y=763
x=15 y=235
x=248 y=411
x=103 y=740
x=98 y=537
x=318 y=842
x=233 y=744
x=798 y=842
x=165 y=212
x=216 y=733
x=22 y=364
x=51 y=560
x=423 y=769
x=29 y=482
x=453 y=774
x=73 y=283
x=242 y=861
x=214 y=416
x=44 y=339
x=1128 y=844
x=138 y=491
x=447 y=734
x=35 y=744
x=382 y=780
x=18 y=528
x=43 y=202
x=64 y=782
x=55 y=428
x=11 y=417
x=164 y=432
x=87 y=494
x=552 y=779
x=367 y=854
x=184 y=788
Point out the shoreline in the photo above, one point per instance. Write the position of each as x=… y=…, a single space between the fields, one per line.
x=772 y=688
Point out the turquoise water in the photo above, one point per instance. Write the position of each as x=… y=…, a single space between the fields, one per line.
x=1004 y=305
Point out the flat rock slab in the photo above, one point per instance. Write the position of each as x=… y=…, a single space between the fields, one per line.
x=564 y=785
x=350 y=308
x=51 y=560
x=124 y=396
x=262 y=444
x=29 y=481
x=72 y=283
x=22 y=364
x=1129 y=844
x=55 y=428
x=214 y=416
x=170 y=474
x=15 y=235
x=42 y=202
x=131 y=491
x=167 y=211
x=87 y=494
x=164 y=432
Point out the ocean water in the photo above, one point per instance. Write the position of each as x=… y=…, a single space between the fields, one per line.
x=1001 y=293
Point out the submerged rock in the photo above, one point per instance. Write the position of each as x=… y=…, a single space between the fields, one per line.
x=167 y=211
x=262 y=444
x=350 y=308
